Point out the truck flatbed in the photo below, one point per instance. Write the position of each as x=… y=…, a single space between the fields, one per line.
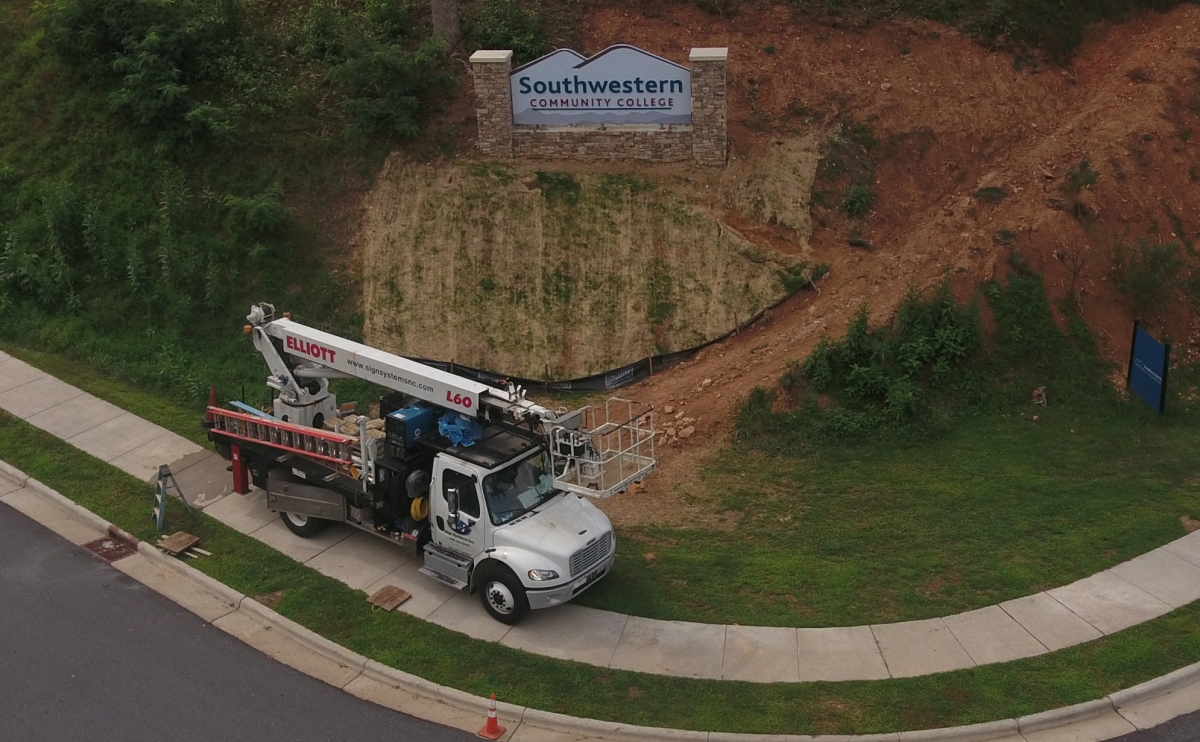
x=500 y=443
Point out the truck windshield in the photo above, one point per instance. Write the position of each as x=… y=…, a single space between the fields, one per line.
x=517 y=489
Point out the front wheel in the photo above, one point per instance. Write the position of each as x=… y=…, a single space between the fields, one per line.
x=503 y=596
x=304 y=526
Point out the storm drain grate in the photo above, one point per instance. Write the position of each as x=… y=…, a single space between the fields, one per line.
x=110 y=549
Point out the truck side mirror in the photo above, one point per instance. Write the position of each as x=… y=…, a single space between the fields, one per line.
x=452 y=501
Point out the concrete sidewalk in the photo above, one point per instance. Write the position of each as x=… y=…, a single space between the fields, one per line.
x=1126 y=595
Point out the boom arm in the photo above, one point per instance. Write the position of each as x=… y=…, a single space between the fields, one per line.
x=323 y=354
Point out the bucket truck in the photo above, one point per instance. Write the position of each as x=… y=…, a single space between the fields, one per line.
x=490 y=490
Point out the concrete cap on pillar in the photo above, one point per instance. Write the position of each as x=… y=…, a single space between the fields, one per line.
x=706 y=54
x=491 y=56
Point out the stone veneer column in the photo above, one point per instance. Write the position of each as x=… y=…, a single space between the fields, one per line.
x=709 y=122
x=493 y=102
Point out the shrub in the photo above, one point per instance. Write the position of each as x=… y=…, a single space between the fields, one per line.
x=156 y=52
x=1149 y=273
x=796 y=277
x=857 y=200
x=504 y=24
x=260 y=215
x=559 y=187
x=388 y=87
x=1080 y=177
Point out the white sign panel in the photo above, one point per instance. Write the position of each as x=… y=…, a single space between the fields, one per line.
x=620 y=85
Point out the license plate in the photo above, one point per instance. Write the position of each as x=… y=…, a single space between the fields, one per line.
x=585 y=581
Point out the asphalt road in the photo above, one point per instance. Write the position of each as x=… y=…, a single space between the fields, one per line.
x=1182 y=729
x=87 y=653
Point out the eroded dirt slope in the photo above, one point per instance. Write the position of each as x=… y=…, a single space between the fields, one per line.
x=571 y=271
x=950 y=118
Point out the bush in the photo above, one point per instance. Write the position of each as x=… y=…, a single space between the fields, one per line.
x=504 y=24
x=914 y=376
x=857 y=200
x=796 y=277
x=388 y=87
x=883 y=371
x=1080 y=177
x=156 y=52
x=1149 y=273
x=260 y=215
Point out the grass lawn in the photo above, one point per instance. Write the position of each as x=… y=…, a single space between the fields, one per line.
x=330 y=608
x=845 y=534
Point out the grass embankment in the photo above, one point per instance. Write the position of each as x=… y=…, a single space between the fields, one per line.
x=899 y=473
x=342 y=615
x=1003 y=506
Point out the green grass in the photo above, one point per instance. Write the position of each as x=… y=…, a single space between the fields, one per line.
x=330 y=608
x=845 y=534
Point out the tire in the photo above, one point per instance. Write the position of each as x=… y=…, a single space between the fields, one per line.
x=503 y=596
x=304 y=526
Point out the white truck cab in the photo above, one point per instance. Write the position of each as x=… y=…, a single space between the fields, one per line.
x=511 y=534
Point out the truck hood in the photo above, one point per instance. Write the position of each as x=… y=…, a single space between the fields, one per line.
x=566 y=525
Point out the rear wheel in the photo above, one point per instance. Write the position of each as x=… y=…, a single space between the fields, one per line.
x=503 y=596
x=304 y=526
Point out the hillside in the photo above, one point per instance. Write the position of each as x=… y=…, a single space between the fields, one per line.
x=977 y=161
x=153 y=190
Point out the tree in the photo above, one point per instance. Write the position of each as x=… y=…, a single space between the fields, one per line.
x=445 y=21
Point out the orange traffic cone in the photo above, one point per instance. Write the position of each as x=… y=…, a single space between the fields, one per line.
x=492 y=730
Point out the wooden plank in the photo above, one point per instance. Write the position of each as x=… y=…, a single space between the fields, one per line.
x=388 y=597
x=178 y=542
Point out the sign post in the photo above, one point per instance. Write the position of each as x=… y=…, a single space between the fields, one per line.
x=1149 y=362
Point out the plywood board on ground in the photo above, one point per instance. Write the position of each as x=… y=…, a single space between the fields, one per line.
x=388 y=597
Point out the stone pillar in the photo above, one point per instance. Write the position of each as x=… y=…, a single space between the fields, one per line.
x=490 y=70
x=709 y=122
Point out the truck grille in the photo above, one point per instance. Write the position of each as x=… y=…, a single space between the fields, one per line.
x=591 y=555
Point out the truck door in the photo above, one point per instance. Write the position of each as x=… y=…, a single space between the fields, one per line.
x=456 y=509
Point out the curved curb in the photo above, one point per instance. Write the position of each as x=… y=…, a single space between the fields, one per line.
x=592 y=728
x=208 y=583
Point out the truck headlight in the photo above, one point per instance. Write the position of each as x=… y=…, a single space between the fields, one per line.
x=541 y=575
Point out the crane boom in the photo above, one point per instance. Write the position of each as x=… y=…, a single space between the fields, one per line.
x=321 y=355
x=385 y=369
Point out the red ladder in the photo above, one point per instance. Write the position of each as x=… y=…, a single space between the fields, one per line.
x=333 y=450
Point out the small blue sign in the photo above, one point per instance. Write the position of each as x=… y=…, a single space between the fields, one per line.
x=1148 y=362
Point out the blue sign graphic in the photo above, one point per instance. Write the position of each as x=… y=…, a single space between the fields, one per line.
x=1148 y=362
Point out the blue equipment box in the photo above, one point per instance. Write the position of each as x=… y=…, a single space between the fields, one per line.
x=406 y=426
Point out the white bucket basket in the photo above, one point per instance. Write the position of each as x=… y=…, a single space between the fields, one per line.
x=610 y=450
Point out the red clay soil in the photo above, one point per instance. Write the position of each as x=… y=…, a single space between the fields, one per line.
x=951 y=117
